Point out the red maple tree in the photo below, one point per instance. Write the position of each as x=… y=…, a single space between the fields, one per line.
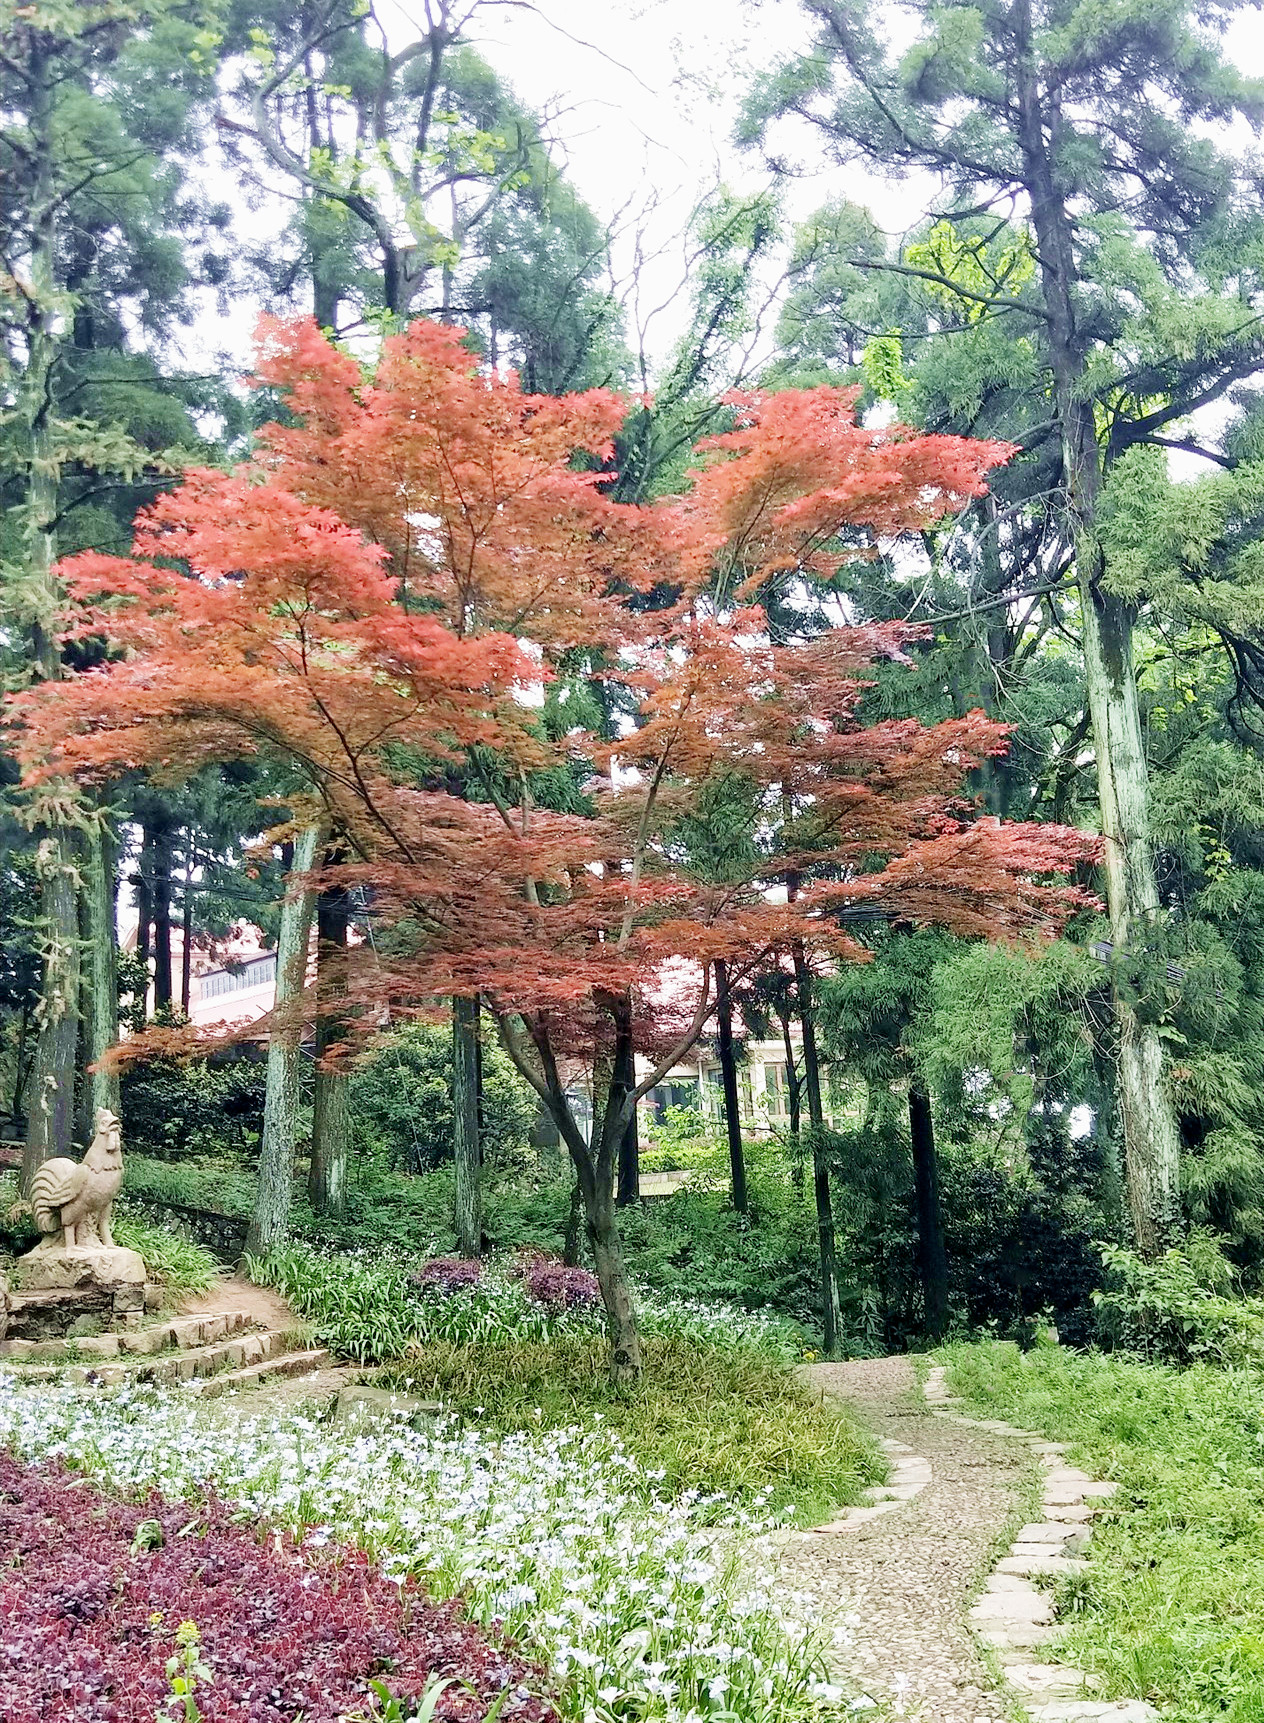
x=380 y=599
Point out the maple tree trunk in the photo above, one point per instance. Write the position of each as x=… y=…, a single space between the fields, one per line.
x=465 y=1134
x=630 y=1142
x=275 y=1188
x=728 y=1072
x=1151 y=1132
x=331 y=1098
x=932 y=1252
x=820 y=1157
x=608 y=1261
x=594 y=1162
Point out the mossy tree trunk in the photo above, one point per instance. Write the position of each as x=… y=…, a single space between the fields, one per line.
x=275 y=1189
x=331 y=1100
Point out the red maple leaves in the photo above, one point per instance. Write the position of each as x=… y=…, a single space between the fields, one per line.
x=382 y=598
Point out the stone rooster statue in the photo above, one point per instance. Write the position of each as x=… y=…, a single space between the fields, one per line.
x=74 y=1198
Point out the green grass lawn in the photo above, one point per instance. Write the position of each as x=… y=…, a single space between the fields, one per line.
x=706 y=1417
x=1171 y=1608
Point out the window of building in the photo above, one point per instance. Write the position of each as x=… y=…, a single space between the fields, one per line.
x=253 y=973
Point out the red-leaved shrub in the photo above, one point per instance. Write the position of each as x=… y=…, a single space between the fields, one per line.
x=448 y=1274
x=88 y=1619
x=553 y=1283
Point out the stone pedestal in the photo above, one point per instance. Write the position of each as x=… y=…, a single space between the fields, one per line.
x=55 y=1286
x=78 y=1265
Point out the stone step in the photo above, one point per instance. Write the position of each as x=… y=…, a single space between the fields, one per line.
x=181 y=1333
x=185 y=1366
x=287 y=1364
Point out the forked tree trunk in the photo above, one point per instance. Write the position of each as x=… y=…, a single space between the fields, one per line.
x=1151 y=1134
x=793 y=1086
x=932 y=1252
x=465 y=1134
x=331 y=1098
x=275 y=1189
x=728 y=1073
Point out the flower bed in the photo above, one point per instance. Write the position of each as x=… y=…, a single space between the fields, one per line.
x=374 y=1306
x=557 y=1540
x=93 y=1589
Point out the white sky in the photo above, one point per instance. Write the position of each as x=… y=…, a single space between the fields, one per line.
x=640 y=98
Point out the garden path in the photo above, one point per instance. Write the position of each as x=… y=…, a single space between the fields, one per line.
x=891 y=1591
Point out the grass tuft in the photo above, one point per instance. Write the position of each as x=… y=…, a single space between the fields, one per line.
x=707 y=1419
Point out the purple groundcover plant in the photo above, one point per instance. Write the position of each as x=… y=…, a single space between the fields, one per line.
x=448 y=1274
x=553 y=1283
x=93 y=1589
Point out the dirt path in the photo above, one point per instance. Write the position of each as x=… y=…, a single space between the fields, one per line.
x=266 y=1307
x=892 y=1592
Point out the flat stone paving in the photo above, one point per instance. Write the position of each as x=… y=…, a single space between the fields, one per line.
x=892 y=1592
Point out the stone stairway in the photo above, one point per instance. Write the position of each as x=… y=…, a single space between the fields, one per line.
x=212 y=1353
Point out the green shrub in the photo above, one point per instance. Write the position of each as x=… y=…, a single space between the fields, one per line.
x=1165 y=1311
x=684 y=1140
x=174 y=1110
x=401 y=1101
x=369 y=1308
x=709 y=1419
x=1170 y=1606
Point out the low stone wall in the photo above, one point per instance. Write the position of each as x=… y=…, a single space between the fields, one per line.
x=222 y=1234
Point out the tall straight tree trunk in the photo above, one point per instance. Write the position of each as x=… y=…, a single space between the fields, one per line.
x=932 y=1252
x=1151 y=1133
x=82 y=1129
x=186 y=924
x=630 y=1142
x=162 y=853
x=51 y=1108
x=101 y=894
x=465 y=1144
x=331 y=1100
x=728 y=1074
x=275 y=1189
x=50 y=1113
x=830 y=1321
x=144 y=910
